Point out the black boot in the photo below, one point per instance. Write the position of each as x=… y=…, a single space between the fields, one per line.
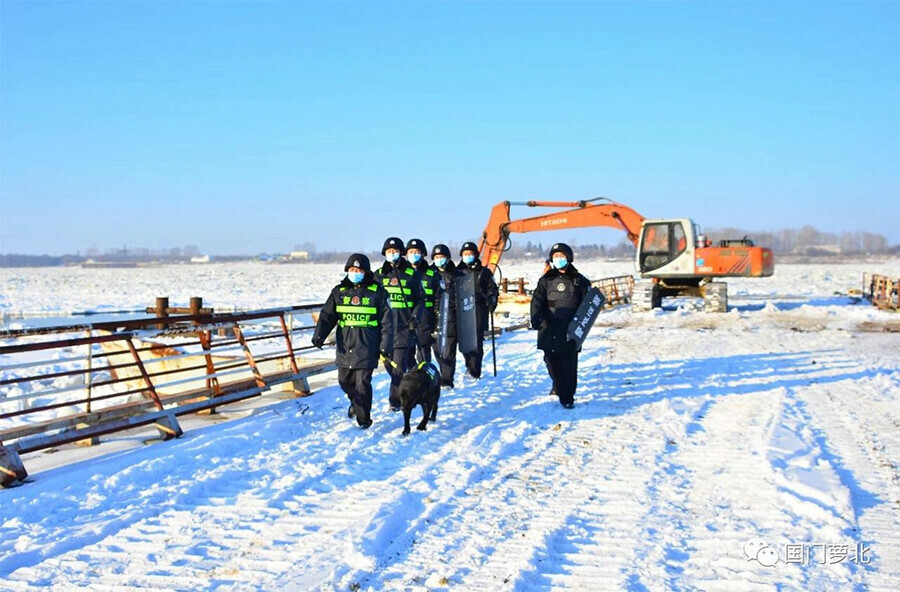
x=362 y=418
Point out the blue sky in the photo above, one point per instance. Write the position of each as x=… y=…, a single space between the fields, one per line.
x=243 y=127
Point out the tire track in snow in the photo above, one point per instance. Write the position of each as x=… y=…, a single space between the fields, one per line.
x=235 y=527
x=484 y=540
x=857 y=426
x=222 y=500
x=324 y=506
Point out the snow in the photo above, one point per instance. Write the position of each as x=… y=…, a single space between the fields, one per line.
x=693 y=434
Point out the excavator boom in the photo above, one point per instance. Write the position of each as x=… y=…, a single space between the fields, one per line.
x=583 y=214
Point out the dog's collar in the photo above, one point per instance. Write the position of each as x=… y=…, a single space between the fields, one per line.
x=428 y=367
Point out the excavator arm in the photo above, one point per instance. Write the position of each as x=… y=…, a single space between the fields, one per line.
x=583 y=214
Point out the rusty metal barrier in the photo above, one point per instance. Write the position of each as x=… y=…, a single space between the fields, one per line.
x=882 y=291
x=75 y=383
x=617 y=289
x=515 y=298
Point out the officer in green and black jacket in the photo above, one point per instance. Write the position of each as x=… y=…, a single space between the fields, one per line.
x=404 y=286
x=431 y=285
x=360 y=308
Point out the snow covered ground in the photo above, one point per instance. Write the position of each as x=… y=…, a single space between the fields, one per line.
x=697 y=439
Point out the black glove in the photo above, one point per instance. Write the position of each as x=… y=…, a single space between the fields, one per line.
x=413 y=323
x=318 y=342
x=386 y=354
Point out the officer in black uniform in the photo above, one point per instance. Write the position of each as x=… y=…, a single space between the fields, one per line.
x=557 y=296
x=486 y=294
x=431 y=280
x=443 y=265
x=361 y=310
x=407 y=300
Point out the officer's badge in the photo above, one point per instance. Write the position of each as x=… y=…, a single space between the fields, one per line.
x=561 y=287
x=393 y=281
x=355 y=300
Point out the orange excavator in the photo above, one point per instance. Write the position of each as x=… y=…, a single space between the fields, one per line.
x=671 y=255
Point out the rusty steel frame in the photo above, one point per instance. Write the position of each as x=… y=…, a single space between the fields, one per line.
x=290 y=347
x=239 y=335
x=149 y=323
x=92 y=423
x=143 y=371
x=617 y=289
x=212 y=382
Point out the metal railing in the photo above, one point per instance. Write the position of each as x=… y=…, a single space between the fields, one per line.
x=77 y=382
x=617 y=290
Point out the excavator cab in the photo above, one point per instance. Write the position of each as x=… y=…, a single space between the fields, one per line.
x=666 y=247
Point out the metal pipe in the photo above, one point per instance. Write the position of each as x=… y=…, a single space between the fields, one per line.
x=87 y=377
x=150 y=387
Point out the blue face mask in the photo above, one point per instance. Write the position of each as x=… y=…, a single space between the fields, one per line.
x=393 y=257
x=468 y=259
x=440 y=261
x=560 y=262
x=356 y=276
x=414 y=258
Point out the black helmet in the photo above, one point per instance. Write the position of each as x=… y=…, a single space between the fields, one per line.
x=470 y=246
x=393 y=242
x=562 y=248
x=417 y=243
x=440 y=249
x=358 y=260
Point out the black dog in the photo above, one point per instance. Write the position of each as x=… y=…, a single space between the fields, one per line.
x=420 y=386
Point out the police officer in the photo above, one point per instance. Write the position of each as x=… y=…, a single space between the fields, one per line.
x=443 y=265
x=407 y=301
x=365 y=327
x=486 y=294
x=557 y=296
x=431 y=280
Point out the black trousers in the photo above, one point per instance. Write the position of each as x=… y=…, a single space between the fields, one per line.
x=357 y=383
x=563 y=370
x=448 y=364
x=404 y=358
x=473 y=359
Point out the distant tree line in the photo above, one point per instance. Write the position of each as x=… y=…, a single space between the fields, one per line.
x=810 y=241
x=807 y=241
x=123 y=255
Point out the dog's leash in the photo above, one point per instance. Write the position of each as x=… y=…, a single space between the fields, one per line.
x=387 y=360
